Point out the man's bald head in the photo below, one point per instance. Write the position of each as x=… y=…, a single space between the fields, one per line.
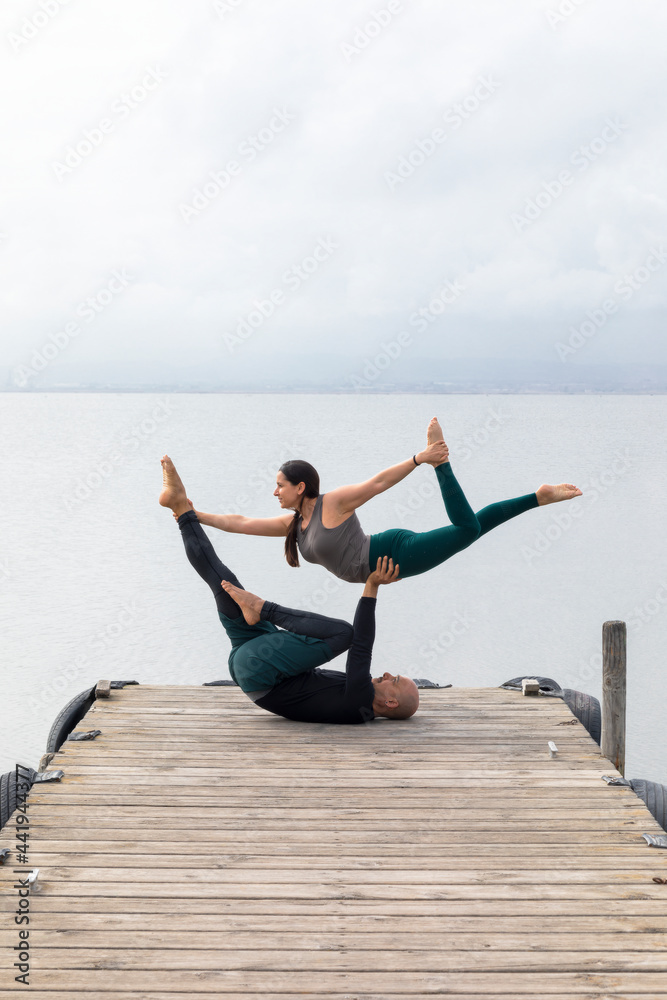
x=396 y=696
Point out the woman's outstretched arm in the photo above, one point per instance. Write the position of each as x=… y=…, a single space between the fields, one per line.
x=274 y=527
x=345 y=499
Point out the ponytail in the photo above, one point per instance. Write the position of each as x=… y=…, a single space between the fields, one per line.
x=291 y=549
x=297 y=472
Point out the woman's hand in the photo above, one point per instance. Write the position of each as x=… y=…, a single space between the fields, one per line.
x=192 y=507
x=434 y=454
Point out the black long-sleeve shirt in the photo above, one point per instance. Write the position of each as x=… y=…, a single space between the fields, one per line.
x=322 y=695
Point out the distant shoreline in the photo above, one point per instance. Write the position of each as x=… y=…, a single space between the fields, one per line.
x=458 y=390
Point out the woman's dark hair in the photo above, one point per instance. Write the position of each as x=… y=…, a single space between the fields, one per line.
x=296 y=472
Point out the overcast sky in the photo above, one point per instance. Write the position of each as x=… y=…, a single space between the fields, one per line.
x=202 y=183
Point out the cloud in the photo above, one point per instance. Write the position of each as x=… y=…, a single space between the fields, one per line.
x=481 y=110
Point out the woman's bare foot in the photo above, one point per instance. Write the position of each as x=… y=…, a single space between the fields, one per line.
x=434 y=432
x=553 y=494
x=173 y=492
x=250 y=604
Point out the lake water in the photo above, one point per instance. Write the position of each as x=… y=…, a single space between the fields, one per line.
x=94 y=583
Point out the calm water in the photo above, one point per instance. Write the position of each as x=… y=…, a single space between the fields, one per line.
x=94 y=583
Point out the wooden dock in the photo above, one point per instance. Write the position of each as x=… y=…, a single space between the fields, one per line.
x=202 y=847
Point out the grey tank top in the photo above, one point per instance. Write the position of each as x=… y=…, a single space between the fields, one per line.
x=344 y=550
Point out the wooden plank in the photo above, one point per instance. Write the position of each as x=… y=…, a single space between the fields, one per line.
x=633 y=888
x=369 y=833
x=440 y=786
x=318 y=876
x=78 y=792
x=212 y=818
x=270 y=804
x=376 y=810
x=530 y=780
x=112 y=758
x=82 y=943
x=169 y=817
x=311 y=994
x=626 y=906
x=54 y=927
x=258 y=839
x=644 y=862
x=111 y=744
x=558 y=798
x=107 y=852
x=331 y=960
x=573 y=984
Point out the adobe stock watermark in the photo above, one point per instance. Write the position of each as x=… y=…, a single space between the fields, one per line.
x=453 y=119
x=471 y=442
x=88 y=660
x=565 y=515
x=565 y=9
x=122 y=108
x=589 y=667
x=420 y=320
x=262 y=480
x=433 y=650
x=645 y=613
x=625 y=288
x=581 y=159
x=225 y=7
x=5 y=572
x=218 y=181
x=32 y=25
x=318 y=598
x=463 y=450
x=131 y=440
x=371 y=29
x=87 y=310
x=292 y=280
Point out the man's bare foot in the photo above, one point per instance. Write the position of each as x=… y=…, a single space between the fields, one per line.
x=553 y=494
x=173 y=493
x=250 y=604
x=434 y=432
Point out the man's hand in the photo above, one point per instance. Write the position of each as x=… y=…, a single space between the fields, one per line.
x=384 y=572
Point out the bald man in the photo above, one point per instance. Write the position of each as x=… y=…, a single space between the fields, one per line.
x=277 y=653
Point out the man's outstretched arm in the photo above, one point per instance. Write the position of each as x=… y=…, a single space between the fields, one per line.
x=359 y=656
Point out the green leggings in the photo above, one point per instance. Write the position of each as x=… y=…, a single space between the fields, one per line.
x=417 y=552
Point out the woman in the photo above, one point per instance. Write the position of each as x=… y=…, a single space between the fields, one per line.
x=326 y=530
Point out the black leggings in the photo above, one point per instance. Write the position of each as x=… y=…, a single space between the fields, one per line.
x=336 y=633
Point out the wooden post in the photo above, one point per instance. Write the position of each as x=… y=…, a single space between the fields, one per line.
x=613 y=692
